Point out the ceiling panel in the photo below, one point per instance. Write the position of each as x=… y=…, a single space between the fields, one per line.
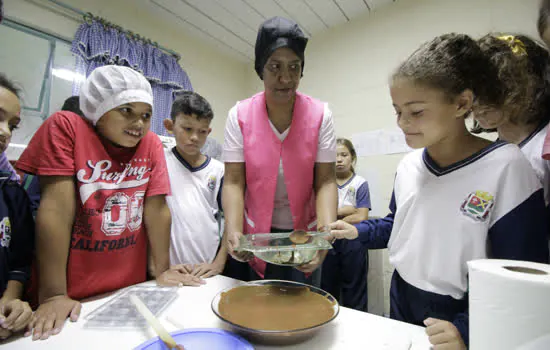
x=308 y=20
x=267 y=8
x=352 y=8
x=189 y=15
x=231 y=25
x=218 y=14
x=248 y=15
x=374 y=4
x=328 y=11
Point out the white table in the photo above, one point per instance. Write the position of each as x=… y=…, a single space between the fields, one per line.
x=350 y=330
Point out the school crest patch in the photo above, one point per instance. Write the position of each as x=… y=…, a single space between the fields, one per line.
x=478 y=205
x=212 y=182
x=5 y=232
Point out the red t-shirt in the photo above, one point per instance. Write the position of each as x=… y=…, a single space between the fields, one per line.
x=108 y=248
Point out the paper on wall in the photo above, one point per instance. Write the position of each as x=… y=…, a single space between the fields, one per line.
x=382 y=141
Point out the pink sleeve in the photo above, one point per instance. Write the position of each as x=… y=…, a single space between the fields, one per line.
x=546 y=146
x=159 y=183
x=51 y=150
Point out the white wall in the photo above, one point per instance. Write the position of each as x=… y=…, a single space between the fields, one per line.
x=219 y=78
x=349 y=67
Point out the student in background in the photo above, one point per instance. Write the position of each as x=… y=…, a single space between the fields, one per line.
x=5 y=165
x=72 y=104
x=16 y=226
x=196 y=184
x=522 y=66
x=544 y=32
x=544 y=21
x=344 y=272
x=104 y=182
x=457 y=198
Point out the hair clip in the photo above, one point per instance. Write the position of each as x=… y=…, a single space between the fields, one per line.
x=516 y=45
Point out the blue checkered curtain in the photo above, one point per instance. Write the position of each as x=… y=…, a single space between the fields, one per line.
x=97 y=45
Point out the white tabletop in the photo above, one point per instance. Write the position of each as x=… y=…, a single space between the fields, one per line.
x=350 y=330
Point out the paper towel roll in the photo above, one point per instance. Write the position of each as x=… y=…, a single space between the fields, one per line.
x=509 y=305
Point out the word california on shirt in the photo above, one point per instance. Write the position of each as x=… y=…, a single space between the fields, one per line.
x=108 y=247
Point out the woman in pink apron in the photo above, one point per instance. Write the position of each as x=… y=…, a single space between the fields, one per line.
x=279 y=154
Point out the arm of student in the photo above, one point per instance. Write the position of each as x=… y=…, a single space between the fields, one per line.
x=158 y=221
x=362 y=199
x=22 y=240
x=346 y=211
x=447 y=335
x=54 y=226
x=522 y=233
x=14 y=290
x=461 y=322
x=326 y=194
x=373 y=234
x=360 y=214
x=233 y=207
x=207 y=270
x=220 y=260
x=53 y=230
x=15 y=314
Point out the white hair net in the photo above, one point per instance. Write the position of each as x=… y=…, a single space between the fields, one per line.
x=111 y=86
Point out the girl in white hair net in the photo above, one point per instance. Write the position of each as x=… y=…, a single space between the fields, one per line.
x=104 y=182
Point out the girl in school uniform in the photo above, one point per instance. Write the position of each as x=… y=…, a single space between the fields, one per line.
x=523 y=119
x=279 y=154
x=544 y=32
x=344 y=273
x=522 y=66
x=457 y=197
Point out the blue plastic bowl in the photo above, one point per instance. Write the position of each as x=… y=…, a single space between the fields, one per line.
x=201 y=339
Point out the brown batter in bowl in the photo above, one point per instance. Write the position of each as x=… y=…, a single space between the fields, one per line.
x=273 y=311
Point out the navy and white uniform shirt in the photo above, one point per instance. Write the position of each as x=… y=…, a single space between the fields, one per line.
x=355 y=193
x=16 y=233
x=490 y=205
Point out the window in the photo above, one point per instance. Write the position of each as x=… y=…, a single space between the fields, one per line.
x=43 y=66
